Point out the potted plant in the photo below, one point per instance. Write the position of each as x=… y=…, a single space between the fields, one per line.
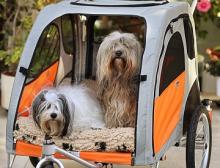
x=213 y=65
x=10 y=61
x=18 y=19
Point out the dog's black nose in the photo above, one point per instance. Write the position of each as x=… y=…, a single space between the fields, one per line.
x=118 y=53
x=53 y=115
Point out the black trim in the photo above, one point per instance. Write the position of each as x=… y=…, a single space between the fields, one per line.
x=89 y=49
x=24 y=71
x=74 y=49
x=140 y=78
x=143 y=78
x=131 y=5
x=155 y=85
x=189 y=35
x=193 y=101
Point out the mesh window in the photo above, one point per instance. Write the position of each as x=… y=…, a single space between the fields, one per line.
x=46 y=52
x=67 y=34
x=189 y=38
x=174 y=63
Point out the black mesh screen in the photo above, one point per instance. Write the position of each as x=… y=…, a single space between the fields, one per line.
x=189 y=38
x=173 y=64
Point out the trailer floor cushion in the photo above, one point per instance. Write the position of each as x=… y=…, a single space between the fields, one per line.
x=112 y=140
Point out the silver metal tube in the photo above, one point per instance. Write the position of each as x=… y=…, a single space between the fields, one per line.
x=156 y=165
x=10 y=162
x=57 y=162
x=41 y=162
x=193 y=6
x=75 y=158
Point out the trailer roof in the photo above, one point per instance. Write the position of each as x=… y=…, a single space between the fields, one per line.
x=118 y=3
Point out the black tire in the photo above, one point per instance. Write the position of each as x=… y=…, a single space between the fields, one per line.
x=35 y=160
x=199 y=115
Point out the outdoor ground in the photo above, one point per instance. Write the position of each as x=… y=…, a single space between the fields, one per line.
x=175 y=156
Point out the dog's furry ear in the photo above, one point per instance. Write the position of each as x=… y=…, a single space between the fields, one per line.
x=139 y=49
x=67 y=115
x=35 y=106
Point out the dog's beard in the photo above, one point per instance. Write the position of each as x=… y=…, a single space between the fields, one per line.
x=52 y=127
x=118 y=65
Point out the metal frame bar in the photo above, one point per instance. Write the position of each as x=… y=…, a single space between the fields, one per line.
x=49 y=149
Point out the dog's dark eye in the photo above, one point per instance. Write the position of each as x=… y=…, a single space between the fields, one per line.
x=42 y=99
x=49 y=106
x=56 y=108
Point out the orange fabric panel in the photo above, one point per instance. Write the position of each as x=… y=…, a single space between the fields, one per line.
x=26 y=149
x=105 y=157
x=167 y=110
x=45 y=79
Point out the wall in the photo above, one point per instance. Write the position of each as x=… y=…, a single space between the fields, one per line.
x=212 y=40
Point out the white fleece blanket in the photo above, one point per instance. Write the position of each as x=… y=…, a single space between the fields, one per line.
x=111 y=140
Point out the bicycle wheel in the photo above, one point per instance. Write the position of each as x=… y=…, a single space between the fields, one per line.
x=199 y=140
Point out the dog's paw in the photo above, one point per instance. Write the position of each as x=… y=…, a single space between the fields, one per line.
x=100 y=146
x=122 y=148
x=66 y=146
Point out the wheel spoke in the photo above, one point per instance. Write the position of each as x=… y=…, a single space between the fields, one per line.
x=204 y=159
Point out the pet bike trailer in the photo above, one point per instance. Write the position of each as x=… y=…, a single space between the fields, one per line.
x=62 y=48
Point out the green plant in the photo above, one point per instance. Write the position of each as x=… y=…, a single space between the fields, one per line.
x=18 y=17
x=11 y=59
x=17 y=24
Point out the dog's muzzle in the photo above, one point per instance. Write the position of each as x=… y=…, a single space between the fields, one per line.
x=52 y=127
x=118 y=62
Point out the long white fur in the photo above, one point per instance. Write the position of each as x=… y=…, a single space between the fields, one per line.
x=117 y=89
x=87 y=110
x=83 y=107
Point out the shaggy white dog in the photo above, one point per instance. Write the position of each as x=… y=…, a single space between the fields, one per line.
x=59 y=111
